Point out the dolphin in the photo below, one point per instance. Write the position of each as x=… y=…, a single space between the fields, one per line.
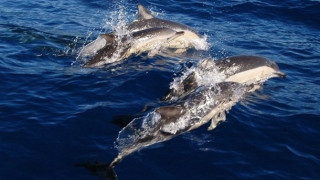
x=146 y=22
x=117 y=48
x=248 y=70
x=205 y=103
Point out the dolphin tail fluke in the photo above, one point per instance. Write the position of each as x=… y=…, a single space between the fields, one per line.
x=111 y=174
x=102 y=170
x=99 y=169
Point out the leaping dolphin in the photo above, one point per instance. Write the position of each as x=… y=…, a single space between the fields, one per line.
x=145 y=22
x=199 y=107
x=248 y=70
x=149 y=40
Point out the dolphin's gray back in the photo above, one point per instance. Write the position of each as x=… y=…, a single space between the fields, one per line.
x=158 y=23
x=152 y=32
x=244 y=63
x=155 y=23
x=146 y=20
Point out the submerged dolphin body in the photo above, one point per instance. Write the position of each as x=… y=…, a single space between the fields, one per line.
x=145 y=22
x=148 y=40
x=190 y=112
x=248 y=70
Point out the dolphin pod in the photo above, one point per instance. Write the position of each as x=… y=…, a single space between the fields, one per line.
x=194 y=99
x=191 y=105
x=146 y=34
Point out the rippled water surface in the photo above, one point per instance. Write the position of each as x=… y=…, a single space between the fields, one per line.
x=55 y=114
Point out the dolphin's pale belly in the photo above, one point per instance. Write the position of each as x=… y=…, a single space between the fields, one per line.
x=162 y=42
x=152 y=45
x=253 y=76
x=188 y=40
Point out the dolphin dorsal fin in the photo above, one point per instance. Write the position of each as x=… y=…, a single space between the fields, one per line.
x=144 y=13
x=108 y=37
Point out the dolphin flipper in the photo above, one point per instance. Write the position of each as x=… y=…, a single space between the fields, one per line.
x=111 y=174
x=177 y=34
x=156 y=50
x=221 y=116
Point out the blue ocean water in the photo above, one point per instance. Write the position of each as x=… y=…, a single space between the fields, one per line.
x=55 y=114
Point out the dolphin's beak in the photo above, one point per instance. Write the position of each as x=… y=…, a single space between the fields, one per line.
x=280 y=74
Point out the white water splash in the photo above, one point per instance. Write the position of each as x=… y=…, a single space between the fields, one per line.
x=196 y=111
x=205 y=73
x=119 y=20
x=201 y=44
x=116 y=22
